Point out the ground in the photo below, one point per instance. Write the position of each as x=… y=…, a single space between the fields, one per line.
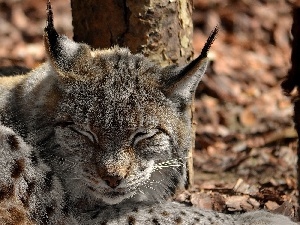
x=245 y=156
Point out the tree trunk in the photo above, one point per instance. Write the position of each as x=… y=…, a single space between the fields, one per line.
x=292 y=81
x=159 y=29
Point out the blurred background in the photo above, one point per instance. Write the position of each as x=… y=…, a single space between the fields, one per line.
x=245 y=152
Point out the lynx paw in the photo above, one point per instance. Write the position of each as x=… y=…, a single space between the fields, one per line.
x=14 y=155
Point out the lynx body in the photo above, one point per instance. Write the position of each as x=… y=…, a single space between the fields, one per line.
x=100 y=137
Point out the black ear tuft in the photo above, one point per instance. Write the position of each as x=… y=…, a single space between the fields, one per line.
x=182 y=83
x=51 y=35
x=212 y=37
x=210 y=40
x=49 y=26
x=64 y=53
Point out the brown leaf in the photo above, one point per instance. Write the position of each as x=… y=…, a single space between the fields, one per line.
x=239 y=203
x=202 y=200
x=242 y=187
x=271 y=205
x=248 y=117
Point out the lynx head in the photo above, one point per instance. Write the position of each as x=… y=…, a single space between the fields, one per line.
x=122 y=122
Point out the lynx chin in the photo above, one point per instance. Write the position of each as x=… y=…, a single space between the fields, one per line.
x=100 y=137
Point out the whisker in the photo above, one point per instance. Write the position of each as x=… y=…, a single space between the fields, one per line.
x=162 y=186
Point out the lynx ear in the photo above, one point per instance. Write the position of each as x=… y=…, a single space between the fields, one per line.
x=181 y=83
x=64 y=53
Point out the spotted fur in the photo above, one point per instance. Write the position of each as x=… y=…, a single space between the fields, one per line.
x=107 y=136
x=23 y=182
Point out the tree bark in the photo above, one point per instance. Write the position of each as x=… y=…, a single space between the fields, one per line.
x=159 y=29
x=292 y=81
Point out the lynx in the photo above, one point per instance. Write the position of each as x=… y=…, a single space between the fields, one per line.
x=100 y=137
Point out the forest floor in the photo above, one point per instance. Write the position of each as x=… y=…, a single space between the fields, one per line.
x=245 y=156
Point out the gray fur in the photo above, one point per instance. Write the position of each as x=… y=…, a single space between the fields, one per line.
x=174 y=213
x=110 y=131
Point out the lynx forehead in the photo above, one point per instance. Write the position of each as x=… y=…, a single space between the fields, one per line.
x=120 y=88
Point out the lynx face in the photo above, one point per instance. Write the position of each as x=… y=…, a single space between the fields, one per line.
x=122 y=125
x=120 y=129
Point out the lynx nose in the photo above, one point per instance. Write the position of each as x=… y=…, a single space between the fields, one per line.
x=112 y=181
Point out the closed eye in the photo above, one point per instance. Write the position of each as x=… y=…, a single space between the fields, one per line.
x=142 y=134
x=91 y=136
x=71 y=125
